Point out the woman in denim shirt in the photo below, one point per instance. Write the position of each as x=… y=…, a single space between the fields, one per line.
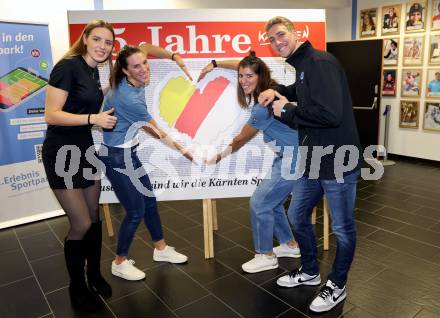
x=131 y=73
x=268 y=215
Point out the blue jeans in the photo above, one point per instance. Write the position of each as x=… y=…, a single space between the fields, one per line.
x=137 y=206
x=341 y=199
x=267 y=210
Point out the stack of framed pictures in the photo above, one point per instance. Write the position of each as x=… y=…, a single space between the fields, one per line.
x=407 y=28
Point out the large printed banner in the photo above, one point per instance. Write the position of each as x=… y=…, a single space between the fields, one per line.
x=205 y=115
x=25 y=65
x=214 y=39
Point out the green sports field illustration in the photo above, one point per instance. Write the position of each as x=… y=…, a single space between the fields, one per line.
x=17 y=85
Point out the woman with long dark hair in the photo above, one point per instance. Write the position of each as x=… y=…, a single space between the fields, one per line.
x=131 y=73
x=268 y=215
x=73 y=102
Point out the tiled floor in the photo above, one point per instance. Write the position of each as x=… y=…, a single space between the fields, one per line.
x=396 y=271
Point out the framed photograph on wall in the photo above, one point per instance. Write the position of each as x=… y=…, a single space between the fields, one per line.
x=389 y=82
x=409 y=114
x=391 y=19
x=434 y=49
x=413 y=50
x=415 y=16
x=411 y=82
x=390 y=51
x=435 y=15
x=433 y=83
x=431 y=116
x=368 y=23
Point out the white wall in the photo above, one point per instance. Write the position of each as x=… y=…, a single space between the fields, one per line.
x=338 y=12
x=404 y=141
x=338 y=24
x=226 y=4
x=45 y=11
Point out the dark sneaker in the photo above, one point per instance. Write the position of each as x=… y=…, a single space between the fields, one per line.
x=297 y=277
x=329 y=296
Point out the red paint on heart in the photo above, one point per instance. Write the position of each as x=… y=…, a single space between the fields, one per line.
x=199 y=106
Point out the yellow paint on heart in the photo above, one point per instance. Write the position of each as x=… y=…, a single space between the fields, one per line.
x=173 y=98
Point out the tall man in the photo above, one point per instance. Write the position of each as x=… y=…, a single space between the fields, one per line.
x=327 y=130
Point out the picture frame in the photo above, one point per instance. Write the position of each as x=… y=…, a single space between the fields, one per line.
x=389 y=82
x=409 y=114
x=368 y=23
x=413 y=50
x=435 y=15
x=391 y=16
x=433 y=83
x=415 y=16
x=390 y=51
x=431 y=116
x=411 y=83
x=434 y=49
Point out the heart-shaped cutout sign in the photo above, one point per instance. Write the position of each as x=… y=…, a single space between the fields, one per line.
x=204 y=113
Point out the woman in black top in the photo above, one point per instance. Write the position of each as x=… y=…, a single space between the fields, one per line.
x=73 y=101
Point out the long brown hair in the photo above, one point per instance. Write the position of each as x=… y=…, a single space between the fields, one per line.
x=121 y=63
x=264 y=80
x=79 y=48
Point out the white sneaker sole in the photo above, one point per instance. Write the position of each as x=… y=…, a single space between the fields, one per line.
x=261 y=269
x=284 y=284
x=327 y=309
x=290 y=255
x=126 y=277
x=165 y=259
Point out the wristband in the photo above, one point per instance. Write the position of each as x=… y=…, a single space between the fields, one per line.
x=214 y=63
x=88 y=119
x=172 y=56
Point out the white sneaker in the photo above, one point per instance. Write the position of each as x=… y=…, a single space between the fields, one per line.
x=169 y=254
x=297 y=277
x=260 y=263
x=284 y=250
x=127 y=270
x=329 y=296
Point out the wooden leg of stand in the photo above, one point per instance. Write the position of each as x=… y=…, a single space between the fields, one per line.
x=314 y=215
x=208 y=228
x=108 y=219
x=214 y=215
x=326 y=224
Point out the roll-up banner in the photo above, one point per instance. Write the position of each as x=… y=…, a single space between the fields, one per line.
x=25 y=65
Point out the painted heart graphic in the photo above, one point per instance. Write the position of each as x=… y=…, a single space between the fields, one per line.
x=206 y=113
x=190 y=110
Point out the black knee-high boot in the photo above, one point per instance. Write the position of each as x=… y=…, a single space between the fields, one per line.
x=93 y=244
x=80 y=295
